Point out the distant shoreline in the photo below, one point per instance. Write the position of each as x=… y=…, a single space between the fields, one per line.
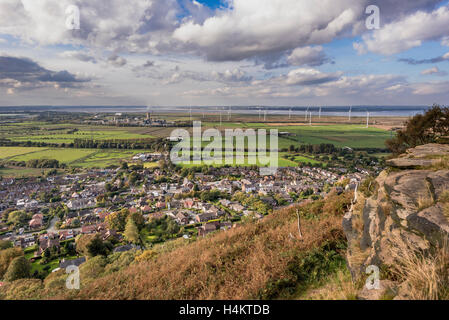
x=330 y=111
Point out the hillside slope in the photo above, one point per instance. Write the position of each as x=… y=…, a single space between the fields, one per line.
x=257 y=260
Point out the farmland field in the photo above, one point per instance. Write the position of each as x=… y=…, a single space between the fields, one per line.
x=86 y=158
x=341 y=135
x=8 y=152
x=67 y=133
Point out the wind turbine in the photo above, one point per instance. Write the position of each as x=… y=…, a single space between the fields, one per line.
x=265 y=116
x=229 y=113
x=319 y=113
x=259 y=113
x=367 y=119
x=190 y=113
x=310 y=118
x=307 y=112
x=290 y=114
x=350 y=111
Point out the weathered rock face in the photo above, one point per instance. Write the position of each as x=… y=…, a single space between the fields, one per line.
x=421 y=156
x=409 y=204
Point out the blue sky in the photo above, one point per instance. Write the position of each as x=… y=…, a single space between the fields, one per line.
x=204 y=52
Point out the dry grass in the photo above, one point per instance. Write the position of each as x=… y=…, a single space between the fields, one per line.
x=386 y=208
x=444 y=197
x=441 y=164
x=425 y=274
x=357 y=222
x=425 y=201
x=339 y=287
x=357 y=256
x=357 y=217
x=446 y=210
x=236 y=264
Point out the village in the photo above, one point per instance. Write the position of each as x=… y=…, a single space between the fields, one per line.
x=43 y=215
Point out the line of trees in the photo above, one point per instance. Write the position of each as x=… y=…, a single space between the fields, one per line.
x=141 y=144
x=37 y=163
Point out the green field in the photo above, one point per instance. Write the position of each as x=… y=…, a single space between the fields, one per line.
x=85 y=158
x=9 y=152
x=64 y=133
x=282 y=162
x=353 y=136
x=94 y=135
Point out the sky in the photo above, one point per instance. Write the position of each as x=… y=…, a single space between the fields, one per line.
x=224 y=53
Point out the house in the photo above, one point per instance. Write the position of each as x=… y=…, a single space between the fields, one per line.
x=109 y=234
x=66 y=235
x=204 y=217
x=50 y=242
x=207 y=228
x=188 y=203
x=36 y=221
x=88 y=229
x=182 y=218
x=237 y=207
x=225 y=202
x=225 y=225
x=80 y=204
x=160 y=205
x=31 y=205
x=75 y=262
x=126 y=248
x=35 y=224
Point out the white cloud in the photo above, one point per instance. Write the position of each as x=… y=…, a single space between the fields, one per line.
x=433 y=71
x=304 y=76
x=235 y=75
x=257 y=27
x=110 y=24
x=308 y=56
x=117 y=61
x=79 y=55
x=432 y=88
x=410 y=32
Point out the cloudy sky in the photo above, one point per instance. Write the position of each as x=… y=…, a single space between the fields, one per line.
x=228 y=52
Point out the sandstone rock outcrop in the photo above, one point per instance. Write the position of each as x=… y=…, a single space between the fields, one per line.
x=407 y=205
x=421 y=156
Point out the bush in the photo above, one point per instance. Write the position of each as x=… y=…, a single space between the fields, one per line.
x=6 y=256
x=421 y=129
x=20 y=268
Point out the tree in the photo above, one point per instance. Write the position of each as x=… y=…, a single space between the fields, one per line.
x=132 y=232
x=6 y=256
x=138 y=219
x=17 y=218
x=5 y=244
x=91 y=245
x=117 y=220
x=20 y=268
x=133 y=178
x=97 y=247
x=124 y=166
